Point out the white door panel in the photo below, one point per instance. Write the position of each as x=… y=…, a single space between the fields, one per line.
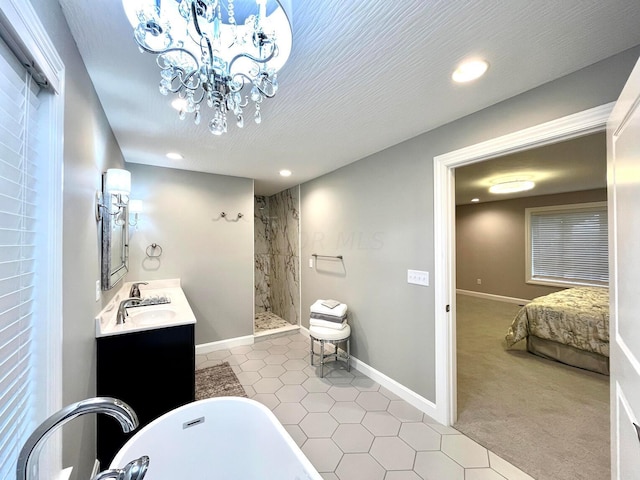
x=623 y=173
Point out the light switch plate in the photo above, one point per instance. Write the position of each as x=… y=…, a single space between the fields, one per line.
x=418 y=277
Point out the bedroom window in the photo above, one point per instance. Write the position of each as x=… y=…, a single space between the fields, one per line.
x=567 y=245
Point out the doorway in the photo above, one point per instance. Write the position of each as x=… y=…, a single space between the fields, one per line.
x=566 y=128
x=540 y=414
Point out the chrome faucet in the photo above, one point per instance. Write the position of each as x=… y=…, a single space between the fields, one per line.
x=122 y=309
x=135 y=289
x=27 y=469
x=134 y=470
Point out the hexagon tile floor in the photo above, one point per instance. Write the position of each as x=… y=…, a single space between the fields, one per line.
x=348 y=426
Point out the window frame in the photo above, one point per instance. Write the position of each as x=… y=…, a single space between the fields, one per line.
x=23 y=31
x=574 y=207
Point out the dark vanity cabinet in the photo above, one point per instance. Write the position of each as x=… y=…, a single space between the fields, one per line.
x=153 y=371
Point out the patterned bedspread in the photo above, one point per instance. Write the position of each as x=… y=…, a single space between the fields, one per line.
x=577 y=316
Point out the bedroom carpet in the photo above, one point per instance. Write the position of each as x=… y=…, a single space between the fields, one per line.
x=218 y=381
x=549 y=419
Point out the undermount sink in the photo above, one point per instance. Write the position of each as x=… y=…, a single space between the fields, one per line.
x=152 y=316
x=163 y=304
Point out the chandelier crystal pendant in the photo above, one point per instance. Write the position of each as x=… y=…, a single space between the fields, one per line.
x=224 y=53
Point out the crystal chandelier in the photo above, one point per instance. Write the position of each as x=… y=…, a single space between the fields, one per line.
x=210 y=50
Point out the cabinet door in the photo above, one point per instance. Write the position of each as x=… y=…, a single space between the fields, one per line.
x=152 y=371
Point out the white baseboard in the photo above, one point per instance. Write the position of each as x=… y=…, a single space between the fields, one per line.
x=406 y=394
x=491 y=296
x=205 y=348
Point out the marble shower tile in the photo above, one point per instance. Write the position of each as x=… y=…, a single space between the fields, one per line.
x=262 y=283
x=277 y=261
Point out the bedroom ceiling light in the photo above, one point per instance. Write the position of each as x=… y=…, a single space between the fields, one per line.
x=285 y=173
x=512 y=186
x=470 y=70
x=174 y=156
x=210 y=50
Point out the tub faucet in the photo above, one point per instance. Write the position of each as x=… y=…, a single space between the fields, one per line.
x=27 y=469
x=134 y=470
x=122 y=309
x=135 y=289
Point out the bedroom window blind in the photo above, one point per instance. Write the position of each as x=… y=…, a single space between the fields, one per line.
x=567 y=245
x=19 y=346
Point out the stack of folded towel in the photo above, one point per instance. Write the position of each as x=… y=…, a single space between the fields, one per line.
x=329 y=314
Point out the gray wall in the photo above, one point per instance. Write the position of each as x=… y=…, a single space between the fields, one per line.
x=89 y=149
x=212 y=255
x=490 y=243
x=378 y=213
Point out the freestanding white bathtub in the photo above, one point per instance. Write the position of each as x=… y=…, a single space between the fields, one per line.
x=226 y=438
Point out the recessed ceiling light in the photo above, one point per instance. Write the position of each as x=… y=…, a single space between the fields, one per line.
x=469 y=70
x=174 y=156
x=179 y=104
x=285 y=173
x=475 y=200
x=512 y=186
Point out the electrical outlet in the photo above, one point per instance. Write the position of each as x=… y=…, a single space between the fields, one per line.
x=418 y=277
x=98 y=292
x=311 y=263
x=479 y=281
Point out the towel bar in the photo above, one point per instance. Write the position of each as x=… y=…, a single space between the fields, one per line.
x=326 y=256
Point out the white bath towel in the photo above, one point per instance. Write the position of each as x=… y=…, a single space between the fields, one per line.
x=324 y=323
x=338 y=311
x=328 y=318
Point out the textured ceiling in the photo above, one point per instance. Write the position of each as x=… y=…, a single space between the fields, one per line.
x=363 y=75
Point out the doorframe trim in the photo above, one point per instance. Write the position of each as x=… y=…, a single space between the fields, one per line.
x=565 y=128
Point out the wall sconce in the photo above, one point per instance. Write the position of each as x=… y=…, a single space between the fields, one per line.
x=116 y=185
x=135 y=209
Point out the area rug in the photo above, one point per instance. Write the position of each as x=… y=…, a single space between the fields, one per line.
x=218 y=381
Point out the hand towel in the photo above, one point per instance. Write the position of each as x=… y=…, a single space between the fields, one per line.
x=328 y=318
x=338 y=311
x=323 y=323
x=330 y=303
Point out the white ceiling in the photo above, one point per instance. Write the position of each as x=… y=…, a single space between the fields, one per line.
x=363 y=75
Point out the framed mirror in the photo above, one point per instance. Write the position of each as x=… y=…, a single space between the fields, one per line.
x=115 y=241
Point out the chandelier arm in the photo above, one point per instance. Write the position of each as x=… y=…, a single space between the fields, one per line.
x=251 y=57
x=209 y=48
x=245 y=78
x=201 y=97
x=194 y=15
x=264 y=92
x=189 y=76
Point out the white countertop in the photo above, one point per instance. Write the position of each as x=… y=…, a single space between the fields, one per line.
x=151 y=317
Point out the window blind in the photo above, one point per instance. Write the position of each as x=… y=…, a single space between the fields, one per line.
x=18 y=225
x=570 y=245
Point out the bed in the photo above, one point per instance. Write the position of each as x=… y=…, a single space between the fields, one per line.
x=570 y=326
